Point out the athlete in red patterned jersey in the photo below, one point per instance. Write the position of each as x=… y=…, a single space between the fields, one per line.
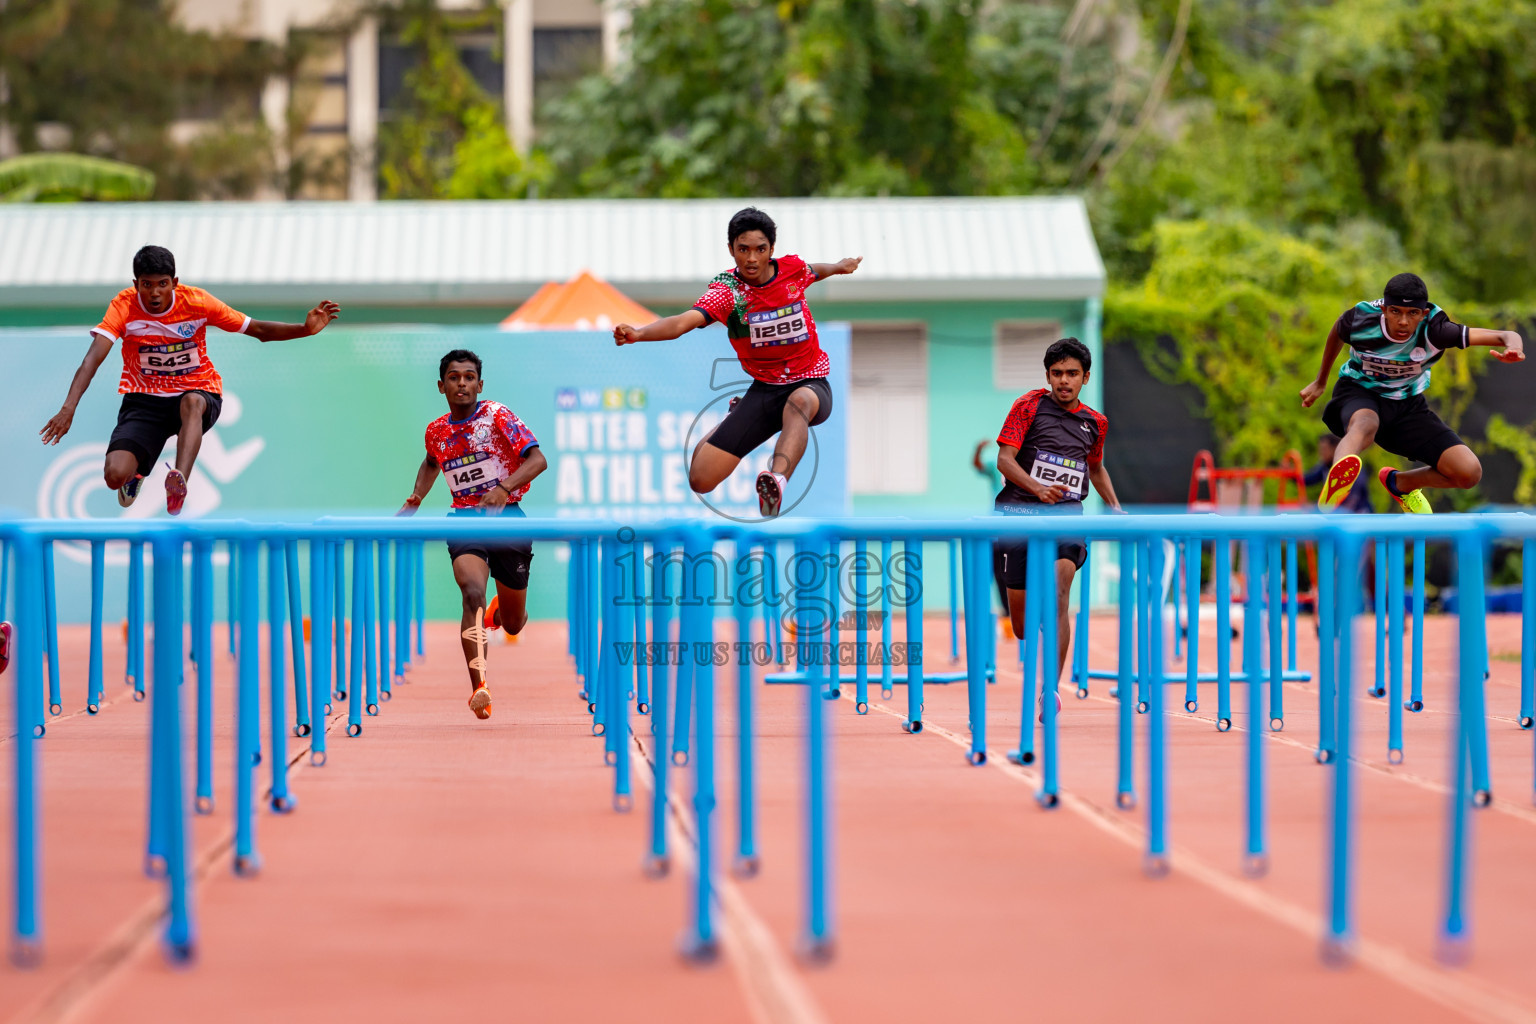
x=762 y=304
x=1061 y=441
x=489 y=458
x=169 y=386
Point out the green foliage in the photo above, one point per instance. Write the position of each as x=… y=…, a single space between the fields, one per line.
x=445 y=138
x=1520 y=443
x=115 y=74
x=67 y=177
x=831 y=97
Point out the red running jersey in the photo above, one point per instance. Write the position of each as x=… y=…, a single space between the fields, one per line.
x=770 y=325
x=476 y=453
x=168 y=354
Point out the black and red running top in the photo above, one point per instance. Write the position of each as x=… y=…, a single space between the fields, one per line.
x=769 y=325
x=1056 y=446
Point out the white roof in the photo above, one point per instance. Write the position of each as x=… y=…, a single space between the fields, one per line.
x=657 y=251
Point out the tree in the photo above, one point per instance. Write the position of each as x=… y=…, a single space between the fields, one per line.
x=55 y=177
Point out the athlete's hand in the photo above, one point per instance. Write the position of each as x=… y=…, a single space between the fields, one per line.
x=495 y=498
x=847 y=266
x=1513 y=350
x=407 y=510
x=321 y=316
x=624 y=334
x=1052 y=493
x=54 y=430
x=1311 y=393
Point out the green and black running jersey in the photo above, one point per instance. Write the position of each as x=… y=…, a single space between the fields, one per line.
x=1392 y=368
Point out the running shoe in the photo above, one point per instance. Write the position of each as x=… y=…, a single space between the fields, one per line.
x=1340 y=479
x=493 y=613
x=1041 y=717
x=770 y=493
x=5 y=647
x=175 y=490
x=480 y=702
x=1413 y=501
x=129 y=492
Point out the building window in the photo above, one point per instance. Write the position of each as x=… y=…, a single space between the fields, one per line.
x=1018 y=353
x=561 y=56
x=888 y=417
x=479 y=52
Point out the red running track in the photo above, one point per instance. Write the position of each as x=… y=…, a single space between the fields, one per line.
x=441 y=865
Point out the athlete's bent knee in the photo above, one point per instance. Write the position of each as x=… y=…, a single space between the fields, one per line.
x=514 y=628
x=1464 y=476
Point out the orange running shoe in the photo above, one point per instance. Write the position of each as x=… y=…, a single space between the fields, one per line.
x=480 y=702
x=1340 y=479
x=493 y=613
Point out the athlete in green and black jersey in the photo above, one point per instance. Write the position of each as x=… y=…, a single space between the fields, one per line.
x=1379 y=396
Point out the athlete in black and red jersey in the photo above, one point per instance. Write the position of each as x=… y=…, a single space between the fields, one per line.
x=1050 y=448
x=489 y=458
x=762 y=304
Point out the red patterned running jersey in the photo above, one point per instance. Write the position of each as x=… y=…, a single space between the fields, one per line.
x=475 y=453
x=770 y=325
x=168 y=354
x=1056 y=445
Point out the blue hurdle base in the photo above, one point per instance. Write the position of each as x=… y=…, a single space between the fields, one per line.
x=938 y=678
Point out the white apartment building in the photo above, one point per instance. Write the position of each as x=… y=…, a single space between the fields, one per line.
x=354 y=70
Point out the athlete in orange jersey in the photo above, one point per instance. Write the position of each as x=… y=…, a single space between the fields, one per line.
x=169 y=386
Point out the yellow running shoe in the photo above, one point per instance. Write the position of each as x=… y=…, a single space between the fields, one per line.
x=1413 y=501
x=1340 y=479
x=480 y=702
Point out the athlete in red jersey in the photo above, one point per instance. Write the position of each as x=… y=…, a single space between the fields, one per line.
x=169 y=386
x=489 y=458
x=1062 y=442
x=762 y=304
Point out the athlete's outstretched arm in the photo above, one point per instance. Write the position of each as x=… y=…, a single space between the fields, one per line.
x=843 y=266
x=317 y=320
x=532 y=466
x=54 y=430
x=1101 y=483
x=665 y=329
x=426 y=476
x=1511 y=344
x=1315 y=389
x=1008 y=465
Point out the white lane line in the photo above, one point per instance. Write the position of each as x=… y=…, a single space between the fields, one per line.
x=774 y=992
x=1474 y=997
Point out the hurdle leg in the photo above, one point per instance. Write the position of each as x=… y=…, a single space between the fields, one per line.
x=817 y=944
x=1146 y=624
x=98 y=583
x=248 y=708
x=834 y=612
x=277 y=718
x=618 y=720
x=860 y=628
x=402 y=610
x=1192 y=617
x=1255 y=861
x=135 y=674
x=320 y=582
x=746 y=864
x=656 y=863
x=1223 y=573
x=642 y=663
x=1395 y=573
x=1156 y=864
x=1380 y=689
x=421 y=599
x=166 y=743
x=702 y=943
x=296 y=638
x=1338 y=940
x=355 y=684
x=1471 y=558
x=1042 y=562
x=1080 y=641
x=976 y=616
x=885 y=620
x=338 y=590
x=912 y=549
x=953 y=547
x=1125 y=787
x=364 y=582
x=1327 y=649
x=1527 y=631
x=1029 y=648
x=202 y=646
x=1275 y=622
x=386 y=653
x=26 y=948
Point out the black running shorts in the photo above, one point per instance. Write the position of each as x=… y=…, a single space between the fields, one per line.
x=1409 y=427
x=759 y=414
x=146 y=422
x=1015 y=553
x=509 y=560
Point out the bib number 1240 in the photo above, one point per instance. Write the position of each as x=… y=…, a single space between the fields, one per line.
x=1051 y=469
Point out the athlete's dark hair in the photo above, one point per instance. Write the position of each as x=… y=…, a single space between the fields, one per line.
x=153 y=261
x=1407 y=286
x=751 y=219
x=458 y=355
x=1068 y=348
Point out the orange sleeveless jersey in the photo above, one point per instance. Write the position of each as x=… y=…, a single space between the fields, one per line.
x=168 y=354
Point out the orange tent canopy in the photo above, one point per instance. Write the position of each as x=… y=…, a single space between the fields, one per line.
x=584 y=303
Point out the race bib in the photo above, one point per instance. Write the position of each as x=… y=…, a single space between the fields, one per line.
x=1052 y=469
x=784 y=326
x=473 y=474
x=1377 y=368
x=171 y=359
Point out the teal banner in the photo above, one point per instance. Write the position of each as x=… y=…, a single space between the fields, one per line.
x=334 y=424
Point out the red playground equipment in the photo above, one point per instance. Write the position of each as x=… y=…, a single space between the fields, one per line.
x=1233 y=489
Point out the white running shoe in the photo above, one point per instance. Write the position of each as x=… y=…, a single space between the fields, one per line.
x=1041 y=718
x=129 y=492
x=770 y=493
